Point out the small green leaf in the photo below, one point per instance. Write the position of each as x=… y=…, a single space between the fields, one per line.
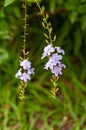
x=43 y=25
x=47 y=41
x=44 y=19
x=50 y=30
x=27 y=53
x=47 y=16
x=20 y=58
x=54 y=38
x=46 y=35
x=43 y=9
x=49 y=24
x=8 y=2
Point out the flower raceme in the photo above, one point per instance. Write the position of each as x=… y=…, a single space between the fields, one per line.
x=55 y=56
x=25 y=71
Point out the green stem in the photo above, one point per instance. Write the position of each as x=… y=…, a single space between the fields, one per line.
x=46 y=23
x=25 y=22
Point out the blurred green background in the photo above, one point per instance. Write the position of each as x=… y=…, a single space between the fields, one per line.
x=38 y=111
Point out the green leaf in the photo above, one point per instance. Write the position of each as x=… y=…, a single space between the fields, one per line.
x=43 y=9
x=8 y=2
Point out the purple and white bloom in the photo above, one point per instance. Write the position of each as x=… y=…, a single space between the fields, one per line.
x=25 y=71
x=59 y=50
x=49 y=65
x=57 y=71
x=61 y=65
x=54 y=63
x=30 y=71
x=55 y=58
x=48 y=50
x=24 y=77
x=25 y=64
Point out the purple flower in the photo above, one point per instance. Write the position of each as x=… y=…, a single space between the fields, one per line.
x=57 y=71
x=54 y=63
x=24 y=77
x=49 y=64
x=55 y=58
x=25 y=71
x=48 y=50
x=25 y=64
x=61 y=65
x=30 y=71
x=59 y=50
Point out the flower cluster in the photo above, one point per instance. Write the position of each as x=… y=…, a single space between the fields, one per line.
x=25 y=71
x=55 y=56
